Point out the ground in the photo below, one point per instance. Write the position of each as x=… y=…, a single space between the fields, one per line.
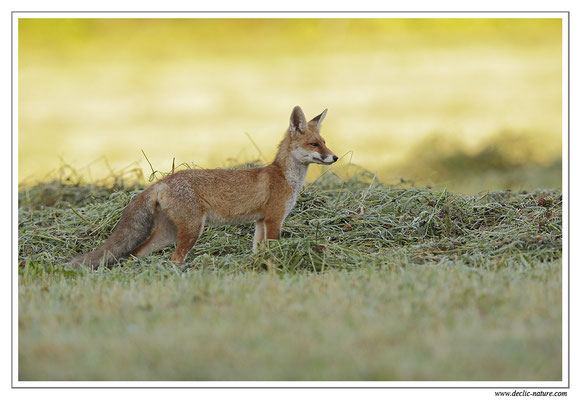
x=369 y=282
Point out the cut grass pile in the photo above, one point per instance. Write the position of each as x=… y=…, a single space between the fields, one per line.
x=336 y=224
x=369 y=282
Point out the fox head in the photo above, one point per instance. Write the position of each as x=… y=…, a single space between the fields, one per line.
x=306 y=144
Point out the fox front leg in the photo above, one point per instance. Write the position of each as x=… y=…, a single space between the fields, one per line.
x=259 y=231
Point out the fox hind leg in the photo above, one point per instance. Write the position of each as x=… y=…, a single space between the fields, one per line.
x=164 y=233
x=187 y=235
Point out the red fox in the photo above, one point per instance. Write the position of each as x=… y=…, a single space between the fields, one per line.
x=177 y=207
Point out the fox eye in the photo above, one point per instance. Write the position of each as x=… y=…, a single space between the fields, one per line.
x=315 y=144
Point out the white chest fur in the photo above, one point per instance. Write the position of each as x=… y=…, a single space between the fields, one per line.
x=295 y=176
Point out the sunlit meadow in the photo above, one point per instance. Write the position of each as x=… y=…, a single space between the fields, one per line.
x=432 y=250
x=404 y=95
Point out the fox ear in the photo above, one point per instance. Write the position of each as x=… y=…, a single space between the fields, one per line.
x=298 y=123
x=319 y=118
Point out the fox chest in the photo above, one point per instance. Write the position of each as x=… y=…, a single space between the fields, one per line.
x=295 y=177
x=290 y=204
x=296 y=182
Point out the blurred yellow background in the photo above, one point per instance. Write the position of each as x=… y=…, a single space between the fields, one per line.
x=462 y=103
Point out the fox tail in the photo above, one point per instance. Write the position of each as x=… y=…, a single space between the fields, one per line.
x=134 y=228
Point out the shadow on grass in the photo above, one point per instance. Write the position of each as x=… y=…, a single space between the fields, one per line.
x=505 y=161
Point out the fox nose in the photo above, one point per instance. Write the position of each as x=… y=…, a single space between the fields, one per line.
x=335 y=158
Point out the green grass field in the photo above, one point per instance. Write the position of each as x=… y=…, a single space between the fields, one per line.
x=369 y=282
